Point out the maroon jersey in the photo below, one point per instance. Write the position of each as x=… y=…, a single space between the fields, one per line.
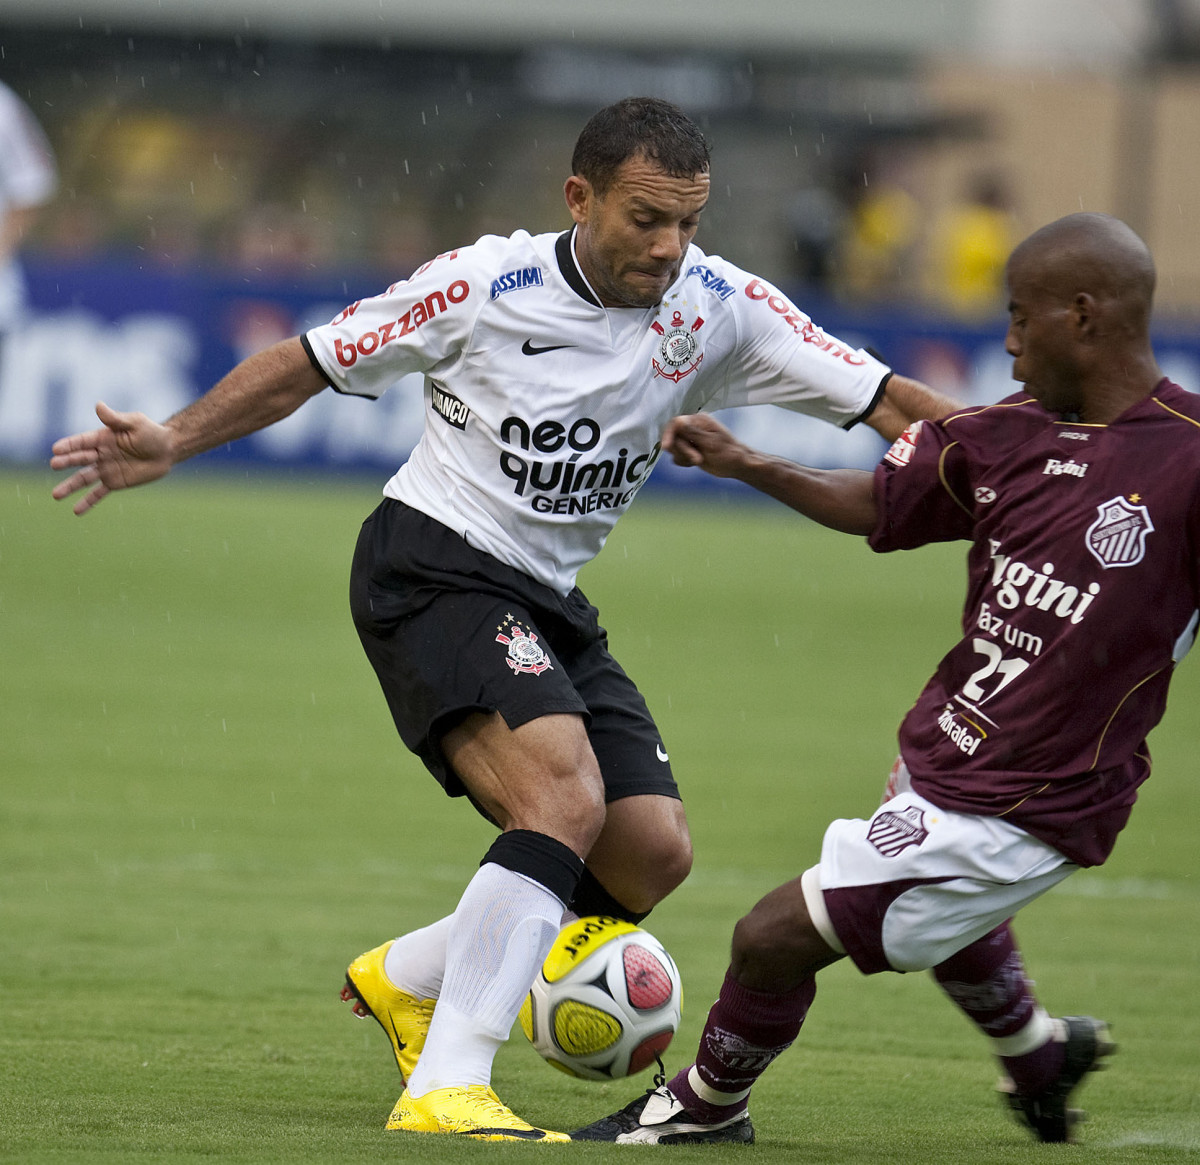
x=1083 y=592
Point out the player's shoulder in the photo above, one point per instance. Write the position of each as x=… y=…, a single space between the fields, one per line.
x=1017 y=416
x=477 y=270
x=977 y=431
x=719 y=279
x=1175 y=402
x=516 y=262
x=487 y=252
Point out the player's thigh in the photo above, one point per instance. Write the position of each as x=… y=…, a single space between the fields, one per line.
x=541 y=775
x=913 y=884
x=460 y=653
x=628 y=745
x=644 y=850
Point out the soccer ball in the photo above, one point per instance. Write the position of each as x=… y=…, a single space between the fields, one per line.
x=606 y=1002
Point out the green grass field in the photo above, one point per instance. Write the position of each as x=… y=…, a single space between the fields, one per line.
x=205 y=814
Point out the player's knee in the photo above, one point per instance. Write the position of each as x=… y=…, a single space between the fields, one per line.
x=753 y=939
x=776 y=944
x=657 y=870
x=575 y=804
x=669 y=862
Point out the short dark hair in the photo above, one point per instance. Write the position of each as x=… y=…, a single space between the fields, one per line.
x=639 y=126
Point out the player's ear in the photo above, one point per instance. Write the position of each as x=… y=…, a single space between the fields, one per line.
x=579 y=195
x=1085 y=313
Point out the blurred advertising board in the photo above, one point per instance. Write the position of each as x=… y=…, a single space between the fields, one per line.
x=153 y=340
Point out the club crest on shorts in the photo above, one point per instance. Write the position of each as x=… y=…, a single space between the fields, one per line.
x=525 y=654
x=893 y=831
x=1118 y=536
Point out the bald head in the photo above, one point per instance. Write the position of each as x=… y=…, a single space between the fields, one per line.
x=1094 y=255
x=1080 y=291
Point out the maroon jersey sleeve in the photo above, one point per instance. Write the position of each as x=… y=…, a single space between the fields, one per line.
x=922 y=486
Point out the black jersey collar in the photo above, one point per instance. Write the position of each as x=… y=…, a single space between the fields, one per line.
x=569 y=266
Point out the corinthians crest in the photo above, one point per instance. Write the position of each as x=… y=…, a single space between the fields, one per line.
x=677 y=353
x=1118 y=536
x=525 y=654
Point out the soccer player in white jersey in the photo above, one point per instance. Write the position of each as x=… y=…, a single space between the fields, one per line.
x=1021 y=758
x=28 y=179
x=552 y=363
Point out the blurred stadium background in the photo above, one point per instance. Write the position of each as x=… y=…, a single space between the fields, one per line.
x=233 y=172
x=205 y=810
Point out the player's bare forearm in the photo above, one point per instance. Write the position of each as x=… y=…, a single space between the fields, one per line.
x=261 y=390
x=131 y=449
x=842 y=499
x=906 y=400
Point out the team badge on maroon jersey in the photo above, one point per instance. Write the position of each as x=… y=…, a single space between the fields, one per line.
x=525 y=654
x=1118 y=536
x=893 y=831
x=677 y=349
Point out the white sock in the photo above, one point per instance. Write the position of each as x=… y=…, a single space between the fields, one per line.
x=498 y=938
x=416 y=961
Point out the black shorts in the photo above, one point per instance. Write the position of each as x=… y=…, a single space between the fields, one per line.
x=451 y=630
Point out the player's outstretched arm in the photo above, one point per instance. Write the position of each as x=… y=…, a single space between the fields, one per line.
x=131 y=449
x=906 y=400
x=842 y=499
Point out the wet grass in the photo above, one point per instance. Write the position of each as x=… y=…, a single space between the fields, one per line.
x=204 y=813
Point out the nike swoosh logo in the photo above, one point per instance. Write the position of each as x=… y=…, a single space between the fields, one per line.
x=658 y=751
x=530 y=350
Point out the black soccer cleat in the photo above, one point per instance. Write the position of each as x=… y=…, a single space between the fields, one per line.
x=657 y=1118
x=1047 y=1115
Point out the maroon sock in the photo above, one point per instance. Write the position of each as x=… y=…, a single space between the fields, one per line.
x=744 y=1032
x=988 y=982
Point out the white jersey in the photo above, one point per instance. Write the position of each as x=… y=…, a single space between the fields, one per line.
x=27 y=178
x=544 y=409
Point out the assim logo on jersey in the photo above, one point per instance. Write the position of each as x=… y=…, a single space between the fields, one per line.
x=419 y=314
x=516 y=280
x=448 y=407
x=800 y=323
x=1118 y=536
x=712 y=281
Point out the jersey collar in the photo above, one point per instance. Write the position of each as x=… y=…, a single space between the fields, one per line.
x=568 y=265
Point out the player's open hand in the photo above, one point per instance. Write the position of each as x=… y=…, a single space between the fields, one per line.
x=702 y=441
x=129 y=450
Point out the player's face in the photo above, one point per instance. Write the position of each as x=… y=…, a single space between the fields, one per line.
x=632 y=239
x=1040 y=340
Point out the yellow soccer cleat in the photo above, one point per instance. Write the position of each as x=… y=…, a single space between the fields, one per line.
x=474 y=1111
x=404 y=1017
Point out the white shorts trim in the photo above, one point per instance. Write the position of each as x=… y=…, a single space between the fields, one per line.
x=914 y=883
x=810 y=884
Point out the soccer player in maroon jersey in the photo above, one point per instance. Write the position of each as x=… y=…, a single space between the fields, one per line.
x=1021 y=759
